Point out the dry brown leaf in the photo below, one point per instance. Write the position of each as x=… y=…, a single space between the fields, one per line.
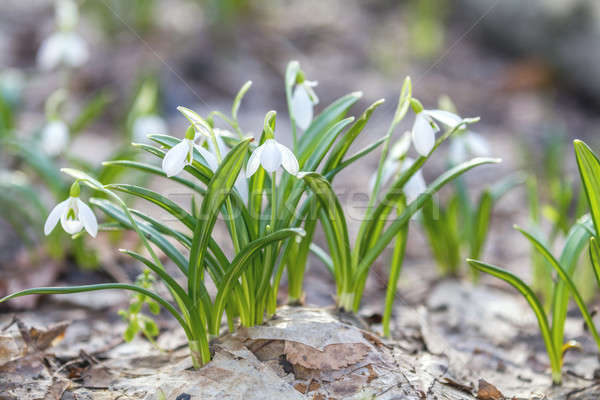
x=333 y=356
x=487 y=391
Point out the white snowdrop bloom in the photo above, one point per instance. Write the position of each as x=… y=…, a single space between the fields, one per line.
x=271 y=155
x=74 y=215
x=303 y=101
x=182 y=154
x=425 y=128
x=146 y=125
x=66 y=49
x=54 y=137
x=467 y=144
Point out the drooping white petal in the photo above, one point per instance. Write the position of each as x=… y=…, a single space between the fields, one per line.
x=254 y=161
x=75 y=50
x=87 y=218
x=147 y=125
x=175 y=159
x=423 y=135
x=50 y=53
x=477 y=145
x=445 y=117
x=288 y=159
x=210 y=158
x=302 y=107
x=54 y=137
x=270 y=157
x=416 y=185
x=54 y=216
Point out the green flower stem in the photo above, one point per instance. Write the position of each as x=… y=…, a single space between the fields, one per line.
x=395 y=268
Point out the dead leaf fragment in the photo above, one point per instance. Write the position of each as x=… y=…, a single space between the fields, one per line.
x=333 y=357
x=487 y=391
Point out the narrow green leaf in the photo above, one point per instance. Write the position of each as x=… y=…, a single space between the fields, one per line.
x=241 y=261
x=535 y=305
x=103 y=286
x=567 y=280
x=218 y=190
x=374 y=251
x=238 y=99
x=589 y=170
x=321 y=187
x=338 y=153
x=332 y=114
x=595 y=258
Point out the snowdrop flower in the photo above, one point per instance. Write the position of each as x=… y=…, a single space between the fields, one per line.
x=64 y=47
x=469 y=143
x=74 y=215
x=54 y=137
x=271 y=155
x=147 y=124
x=303 y=101
x=425 y=128
x=182 y=154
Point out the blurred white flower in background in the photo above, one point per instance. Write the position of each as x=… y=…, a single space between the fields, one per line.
x=425 y=128
x=64 y=47
x=146 y=125
x=272 y=155
x=12 y=82
x=54 y=137
x=303 y=101
x=467 y=144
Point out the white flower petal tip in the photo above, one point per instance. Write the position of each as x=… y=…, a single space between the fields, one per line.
x=177 y=158
x=445 y=117
x=87 y=218
x=74 y=215
x=271 y=155
x=302 y=107
x=423 y=135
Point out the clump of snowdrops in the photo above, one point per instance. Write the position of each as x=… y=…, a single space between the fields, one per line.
x=583 y=233
x=271 y=198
